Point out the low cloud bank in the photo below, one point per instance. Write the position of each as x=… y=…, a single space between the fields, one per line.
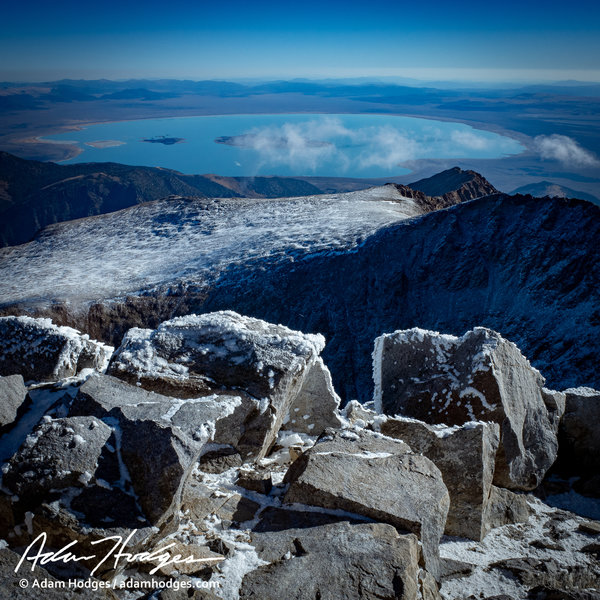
x=307 y=145
x=564 y=149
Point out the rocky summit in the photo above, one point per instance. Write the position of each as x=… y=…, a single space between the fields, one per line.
x=348 y=266
x=385 y=393
x=219 y=439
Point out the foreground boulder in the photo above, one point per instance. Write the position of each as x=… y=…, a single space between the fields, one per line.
x=160 y=437
x=479 y=376
x=194 y=356
x=69 y=480
x=41 y=351
x=465 y=455
x=12 y=396
x=315 y=408
x=380 y=478
x=340 y=560
x=579 y=432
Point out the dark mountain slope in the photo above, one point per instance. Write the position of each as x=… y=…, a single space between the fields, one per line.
x=35 y=194
x=525 y=268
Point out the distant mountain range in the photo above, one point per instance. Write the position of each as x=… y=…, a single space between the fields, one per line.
x=35 y=194
x=554 y=190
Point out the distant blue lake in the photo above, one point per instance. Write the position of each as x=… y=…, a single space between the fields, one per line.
x=308 y=144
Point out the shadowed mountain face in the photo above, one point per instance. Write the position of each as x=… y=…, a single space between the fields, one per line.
x=527 y=269
x=351 y=267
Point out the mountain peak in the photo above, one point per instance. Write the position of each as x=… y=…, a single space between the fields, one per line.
x=455 y=185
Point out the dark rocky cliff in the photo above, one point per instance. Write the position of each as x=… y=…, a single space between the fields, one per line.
x=525 y=268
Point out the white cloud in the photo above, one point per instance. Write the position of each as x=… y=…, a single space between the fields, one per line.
x=301 y=145
x=470 y=140
x=387 y=147
x=305 y=145
x=564 y=149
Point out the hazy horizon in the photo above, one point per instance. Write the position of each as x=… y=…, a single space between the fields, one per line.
x=465 y=41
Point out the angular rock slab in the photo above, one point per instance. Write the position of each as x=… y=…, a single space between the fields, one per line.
x=504 y=508
x=480 y=376
x=465 y=455
x=41 y=351
x=579 y=432
x=316 y=407
x=380 y=478
x=160 y=438
x=57 y=455
x=12 y=396
x=341 y=560
x=194 y=355
x=69 y=481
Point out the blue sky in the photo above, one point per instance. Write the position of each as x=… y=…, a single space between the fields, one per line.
x=463 y=40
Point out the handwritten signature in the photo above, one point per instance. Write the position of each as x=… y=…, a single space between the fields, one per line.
x=117 y=554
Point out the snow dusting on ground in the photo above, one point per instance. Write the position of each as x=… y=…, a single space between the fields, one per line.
x=514 y=541
x=185 y=239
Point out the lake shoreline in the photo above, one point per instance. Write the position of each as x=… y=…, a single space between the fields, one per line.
x=33 y=145
x=375 y=165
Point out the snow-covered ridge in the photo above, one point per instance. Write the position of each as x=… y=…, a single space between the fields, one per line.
x=192 y=239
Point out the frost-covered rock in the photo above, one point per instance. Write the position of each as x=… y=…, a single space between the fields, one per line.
x=195 y=355
x=41 y=351
x=465 y=455
x=339 y=560
x=12 y=396
x=70 y=480
x=479 y=376
x=57 y=455
x=579 y=436
x=160 y=438
x=377 y=477
x=359 y=414
x=316 y=406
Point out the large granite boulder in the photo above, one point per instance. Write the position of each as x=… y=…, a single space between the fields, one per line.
x=366 y=561
x=480 y=376
x=365 y=473
x=316 y=407
x=160 y=438
x=70 y=480
x=579 y=432
x=194 y=356
x=465 y=455
x=41 y=351
x=12 y=396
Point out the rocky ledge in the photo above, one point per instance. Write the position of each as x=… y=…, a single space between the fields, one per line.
x=215 y=448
